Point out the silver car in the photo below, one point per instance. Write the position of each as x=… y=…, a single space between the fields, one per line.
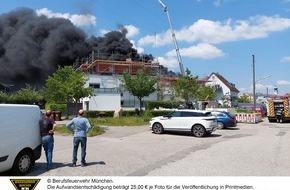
x=199 y=122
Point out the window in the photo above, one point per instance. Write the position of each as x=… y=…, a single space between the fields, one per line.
x=175 y=114
x=95 y=85
x=187 y=114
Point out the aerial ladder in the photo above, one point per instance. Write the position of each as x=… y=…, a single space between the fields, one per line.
x=174 y=38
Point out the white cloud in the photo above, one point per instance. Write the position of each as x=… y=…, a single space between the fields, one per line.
x=76 y=19
x=104 y=31
x=203 y=51
x=169 y=62
x=132 y=30
x=283 y=82
x=217 y=3
x=218 y=32
x=285 y=1
x=259 y=88
x=262 y=87
x=157 y=40
x=215 y=32
x=139 y=49
x=286 y=59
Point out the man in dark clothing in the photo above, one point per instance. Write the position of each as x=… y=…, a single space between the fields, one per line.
x=279 y=116
x=47 y=128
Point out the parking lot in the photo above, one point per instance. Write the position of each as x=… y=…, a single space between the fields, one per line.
x=248 y=150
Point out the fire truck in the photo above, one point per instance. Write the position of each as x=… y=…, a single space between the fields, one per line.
x=278 y=105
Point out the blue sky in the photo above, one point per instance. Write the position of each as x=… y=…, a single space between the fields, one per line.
x=213 y=35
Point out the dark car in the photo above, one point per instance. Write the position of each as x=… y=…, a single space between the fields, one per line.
x=225 y=119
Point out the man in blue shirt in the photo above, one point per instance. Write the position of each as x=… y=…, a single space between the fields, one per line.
x=80 y=126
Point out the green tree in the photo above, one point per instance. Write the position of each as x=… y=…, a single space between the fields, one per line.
x=244 y=98
x=27 y=95
x=66 y=85
x=187 y=87
x=140 y=85
x=206 y=93
x=4 y=97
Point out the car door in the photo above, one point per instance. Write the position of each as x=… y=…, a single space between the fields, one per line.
x=171 y=121
x=188 y=119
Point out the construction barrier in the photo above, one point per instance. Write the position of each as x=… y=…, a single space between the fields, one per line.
x=248 y=118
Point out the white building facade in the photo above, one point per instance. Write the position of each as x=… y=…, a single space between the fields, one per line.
x=110 y=95
x=223 y=88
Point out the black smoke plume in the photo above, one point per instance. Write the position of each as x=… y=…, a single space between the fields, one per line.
x=32 y=47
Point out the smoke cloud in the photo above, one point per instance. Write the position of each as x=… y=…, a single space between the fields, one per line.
x=32 y=47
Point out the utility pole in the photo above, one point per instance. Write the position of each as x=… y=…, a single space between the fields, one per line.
x=174 y=38
x=254 y=85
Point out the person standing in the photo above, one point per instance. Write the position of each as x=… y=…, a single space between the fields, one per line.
x=47 y=128
x=279 y=114
x=80 y=126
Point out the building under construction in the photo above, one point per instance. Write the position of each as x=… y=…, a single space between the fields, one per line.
x=105 y=77
x=95 y=65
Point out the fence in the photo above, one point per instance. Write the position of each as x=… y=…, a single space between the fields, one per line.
x=248 y=118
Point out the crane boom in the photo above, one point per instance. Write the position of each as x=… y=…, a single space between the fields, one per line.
x=174 y=38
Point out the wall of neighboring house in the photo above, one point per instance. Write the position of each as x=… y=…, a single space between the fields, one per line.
x=103 y=102
x=220 y=88
x=106 y=96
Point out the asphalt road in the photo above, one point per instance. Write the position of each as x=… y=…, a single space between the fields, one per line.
x=249 y=150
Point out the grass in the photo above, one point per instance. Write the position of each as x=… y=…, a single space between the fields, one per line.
x=94 y=132
x=107 y=121
x=121 y=121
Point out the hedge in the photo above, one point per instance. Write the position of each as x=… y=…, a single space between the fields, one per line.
x=164 y=104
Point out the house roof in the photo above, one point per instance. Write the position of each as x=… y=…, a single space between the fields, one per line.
x=231 y=86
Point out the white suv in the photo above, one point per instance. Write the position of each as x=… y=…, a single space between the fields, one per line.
x=199 y=122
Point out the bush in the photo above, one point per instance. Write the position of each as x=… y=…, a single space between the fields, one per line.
x=95 y=114
x=240 y=110
x=57 y=107
x=164 y=104
x=128 y=113
x=157 y=113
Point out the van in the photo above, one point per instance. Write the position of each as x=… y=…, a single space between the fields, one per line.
x=20 y=140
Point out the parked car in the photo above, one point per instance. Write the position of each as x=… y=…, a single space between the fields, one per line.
x=199 y=122
x=225 y=119
x=20 y=141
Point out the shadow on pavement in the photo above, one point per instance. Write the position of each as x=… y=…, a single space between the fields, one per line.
x=187 y=134
x=40 y=168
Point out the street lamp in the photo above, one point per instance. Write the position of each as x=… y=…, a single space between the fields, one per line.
x=262 y=78
x=254 y=84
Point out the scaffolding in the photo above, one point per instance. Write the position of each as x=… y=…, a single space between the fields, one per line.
x=95 y=65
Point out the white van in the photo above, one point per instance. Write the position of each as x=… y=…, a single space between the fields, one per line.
x=20 y=141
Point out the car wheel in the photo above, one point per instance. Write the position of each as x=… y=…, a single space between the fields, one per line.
x=157 y=128
x=220 y=125
x=22 y=163
x=198 y=131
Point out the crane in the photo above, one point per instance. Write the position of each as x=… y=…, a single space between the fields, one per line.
x=174 y=38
